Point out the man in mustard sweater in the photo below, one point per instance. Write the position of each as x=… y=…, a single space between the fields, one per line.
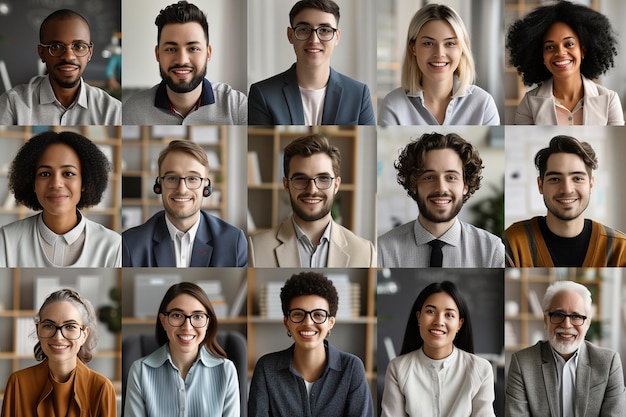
x=564 y=237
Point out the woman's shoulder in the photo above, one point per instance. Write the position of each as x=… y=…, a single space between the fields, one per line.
x=19 y=226
x=473 y=361
x=84 y=373
x=33 y=373
x=101 y=230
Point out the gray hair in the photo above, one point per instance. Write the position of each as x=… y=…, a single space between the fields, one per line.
x=88 y=317
x=560 y=286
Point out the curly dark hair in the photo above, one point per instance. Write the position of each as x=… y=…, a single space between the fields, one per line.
x=524 y=40
x=309 y=283
x=566 y=144
x=410 y=163
x=181 y=12
x=94 y=168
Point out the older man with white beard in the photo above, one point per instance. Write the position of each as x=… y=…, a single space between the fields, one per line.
x=565 y=376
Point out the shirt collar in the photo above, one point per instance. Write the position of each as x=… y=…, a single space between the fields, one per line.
x=561 y=360
x=451 y=237
x=162 y=355
x=46 y=94
x=455 y=86
x=173 y=230
x=300 y=234
x=70 y=237
x=333 y=356
x=163 y=102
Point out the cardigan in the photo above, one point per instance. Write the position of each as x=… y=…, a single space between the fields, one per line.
x=601 y=106
x=526 y=247
x=20 y=246
x=341 y=391
x=29 y=393
x=460 y=385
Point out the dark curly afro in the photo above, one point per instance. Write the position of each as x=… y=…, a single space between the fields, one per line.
x=524 y=40
x=309 y=283
x=410 y=163
x=95 y=168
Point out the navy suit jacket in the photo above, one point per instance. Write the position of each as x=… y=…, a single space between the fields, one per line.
x=277 y=101
x=217 y=244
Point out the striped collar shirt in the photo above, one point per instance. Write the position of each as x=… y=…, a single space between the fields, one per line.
x=312 y=256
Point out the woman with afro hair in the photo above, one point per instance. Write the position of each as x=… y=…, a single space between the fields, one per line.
x=311 y=377
x=59 y=174
x=562 y=47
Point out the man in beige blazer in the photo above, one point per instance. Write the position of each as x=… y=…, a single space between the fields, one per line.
x=309 y=237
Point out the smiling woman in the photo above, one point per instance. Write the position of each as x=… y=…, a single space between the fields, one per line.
x=59 y=174
x=61 y=385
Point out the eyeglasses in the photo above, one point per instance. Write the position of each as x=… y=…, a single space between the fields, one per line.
x=558 y=318
x=297 y=315
x=191 y=182
x=324 y=33
x=322 y=182
x=177 y=319
x=79 y=49
x=70 y=331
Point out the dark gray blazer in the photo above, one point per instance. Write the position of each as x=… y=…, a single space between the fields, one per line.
x=217 y=244
x=532 y=388
x=277 y=101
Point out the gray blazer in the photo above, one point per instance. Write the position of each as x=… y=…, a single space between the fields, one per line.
x=277 y=101
x=532 y=388
x=602 y=106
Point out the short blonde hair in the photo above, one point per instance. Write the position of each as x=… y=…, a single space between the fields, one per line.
x=411 y=73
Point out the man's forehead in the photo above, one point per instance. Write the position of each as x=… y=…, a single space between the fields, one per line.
x=313 y=17
x=65 y=25
x=556 y=161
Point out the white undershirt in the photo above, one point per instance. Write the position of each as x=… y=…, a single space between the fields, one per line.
x=313 y=105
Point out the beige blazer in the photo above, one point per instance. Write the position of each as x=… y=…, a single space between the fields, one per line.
x=278 y=247
x=602 y=106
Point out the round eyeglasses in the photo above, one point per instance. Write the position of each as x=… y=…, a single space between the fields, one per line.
x=297 y=315
x=70 y=331
x=192 y=182
x=177 y=319
x=79 y=49
x=324 y=33
x=322 y=182
x=557 y=317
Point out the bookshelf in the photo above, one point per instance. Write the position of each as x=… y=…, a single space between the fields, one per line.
x=141 y=146
x=107 y=138
x=355 y=335
x=17 y=302
x=268 y=203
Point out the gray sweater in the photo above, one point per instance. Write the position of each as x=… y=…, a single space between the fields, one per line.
x=342 y=390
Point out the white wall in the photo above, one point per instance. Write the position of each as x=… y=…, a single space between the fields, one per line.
x=227 y=36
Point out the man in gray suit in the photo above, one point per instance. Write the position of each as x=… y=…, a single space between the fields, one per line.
x=566 y=375
x=309 y=237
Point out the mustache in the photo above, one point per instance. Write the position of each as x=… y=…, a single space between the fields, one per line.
x=173 y=67
x=571 y=332
x=67 y=63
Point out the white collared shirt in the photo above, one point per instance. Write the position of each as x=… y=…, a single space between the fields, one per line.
x=182 y=242
x=310 y=256
x=62 y=250
x=566 y=377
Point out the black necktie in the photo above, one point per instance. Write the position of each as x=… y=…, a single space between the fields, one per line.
x=436 y=255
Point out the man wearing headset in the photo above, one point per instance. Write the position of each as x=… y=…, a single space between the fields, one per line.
x=182 y=235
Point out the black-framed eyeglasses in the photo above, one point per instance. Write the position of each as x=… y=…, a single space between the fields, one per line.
x=324 y=33
x=297 y=315
x=301 y=182
x=192 y=182
x=79 y=49
x=70 y=331
x=177 y=319
x=556 y=317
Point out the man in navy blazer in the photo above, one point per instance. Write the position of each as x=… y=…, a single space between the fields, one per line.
x=183 y=235
x=311 y=92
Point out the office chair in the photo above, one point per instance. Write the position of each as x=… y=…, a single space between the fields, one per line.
x=234 y=344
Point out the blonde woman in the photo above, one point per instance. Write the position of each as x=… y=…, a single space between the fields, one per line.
x=437 y=76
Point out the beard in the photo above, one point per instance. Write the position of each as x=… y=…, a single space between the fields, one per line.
x=183 y=87
x=308 y=216
x=565 y=348
x=566 y=215
x=434 y=216
x=64 y=83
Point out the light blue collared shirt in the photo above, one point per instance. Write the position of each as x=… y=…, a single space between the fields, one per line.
x=312 y=257
x=155 y=387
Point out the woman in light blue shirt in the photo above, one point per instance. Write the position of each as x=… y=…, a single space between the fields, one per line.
x=437 y=76
x=189 y=374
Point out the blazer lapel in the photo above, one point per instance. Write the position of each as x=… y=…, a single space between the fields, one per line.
x=542 y=104
x=583 y=380
x=337 y=255
x=334 y=90
x=548 y=368
x=202 y=245
x=162 y=249
x=291 y=92
x=287 y=252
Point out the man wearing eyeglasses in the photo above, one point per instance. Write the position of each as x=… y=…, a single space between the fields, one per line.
x=61 y=97
x=183 y=235
x=311 y=92
x=309 y=237
x=566 y=375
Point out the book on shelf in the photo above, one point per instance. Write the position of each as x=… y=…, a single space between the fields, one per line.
x=254 y=169
x=213 y=289
x=205 y=134
x=240 y=299
x=535 y=305
x=24 y=343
